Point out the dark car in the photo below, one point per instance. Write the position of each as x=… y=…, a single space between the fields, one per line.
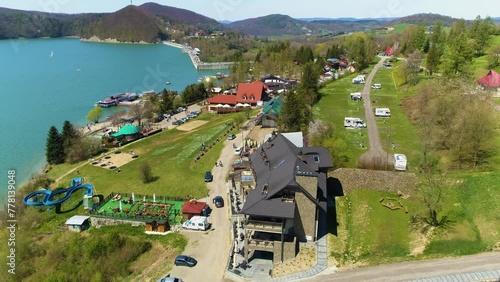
x=218 y=201
x=177 y=122
x=208 y=176
x=182 y=260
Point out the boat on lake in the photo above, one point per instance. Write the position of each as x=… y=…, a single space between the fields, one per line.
x=107 y=103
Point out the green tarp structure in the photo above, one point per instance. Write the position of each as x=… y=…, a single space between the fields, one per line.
x=128 y=129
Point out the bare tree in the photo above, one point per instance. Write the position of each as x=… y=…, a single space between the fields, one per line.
x=413 y=67
x=137 y=112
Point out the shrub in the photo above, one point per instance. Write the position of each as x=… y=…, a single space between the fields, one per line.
x=145 y=173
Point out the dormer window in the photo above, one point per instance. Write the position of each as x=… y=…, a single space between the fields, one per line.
x=244 y=97
x=252 y=97
x=316 y=159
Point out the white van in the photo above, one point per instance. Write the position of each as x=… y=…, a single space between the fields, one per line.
x=400 y=162
x=382 y=112
x=360 y=79
x=197 y=223
x=377 y=86
x=354 y=122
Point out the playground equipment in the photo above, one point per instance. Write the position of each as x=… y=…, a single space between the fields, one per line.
x=46 y=197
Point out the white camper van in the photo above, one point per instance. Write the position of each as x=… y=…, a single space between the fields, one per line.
x=354 y=122
x=360 y=79
x=400 y=162
x=382 y=112
x=197 y=223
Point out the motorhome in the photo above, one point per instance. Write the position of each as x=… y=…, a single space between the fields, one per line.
x=377 y=86
x=354 y=122
x=400 y=162
x=197 y=223
x=382 y=112
x=356 y=96
x=360 y=79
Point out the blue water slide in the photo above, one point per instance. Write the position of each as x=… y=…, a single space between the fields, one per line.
x=48 y=195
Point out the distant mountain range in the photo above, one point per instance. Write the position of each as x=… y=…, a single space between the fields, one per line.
x=152 y=22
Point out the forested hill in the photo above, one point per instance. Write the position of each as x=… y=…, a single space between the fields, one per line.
x=425 y=19
x=130 y=24
x=277 y=25
x=174 y=15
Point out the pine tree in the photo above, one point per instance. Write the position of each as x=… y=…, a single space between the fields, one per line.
x=54 y=151
x=295 y=114
x=309 y=83
x=433 y=59
x=69 y=135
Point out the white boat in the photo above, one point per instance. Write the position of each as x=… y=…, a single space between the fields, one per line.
x=167 y=83
x=51 y=54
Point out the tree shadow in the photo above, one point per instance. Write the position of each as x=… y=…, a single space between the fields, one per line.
x=60 y=211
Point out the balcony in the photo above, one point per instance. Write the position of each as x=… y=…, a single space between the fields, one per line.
x=261 y=245
x=264 y=226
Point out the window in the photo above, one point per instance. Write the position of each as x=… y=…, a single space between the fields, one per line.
x=252 y=97
x=316 y=159
x=244 y=97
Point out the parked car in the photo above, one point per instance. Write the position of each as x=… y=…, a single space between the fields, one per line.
x=231 y=136
x=377 y=86
x=218 y=201
x=238 y=151
x=183 y=260
x=209 y=176
x=177 y=122
x=169 y=279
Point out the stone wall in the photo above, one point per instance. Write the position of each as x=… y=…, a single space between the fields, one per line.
x=306 y=209
x=97 y=222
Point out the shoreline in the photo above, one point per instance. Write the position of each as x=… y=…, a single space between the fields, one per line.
x=110 y=40
x=197 y=63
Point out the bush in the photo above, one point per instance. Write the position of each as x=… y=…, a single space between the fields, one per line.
x=145 y=173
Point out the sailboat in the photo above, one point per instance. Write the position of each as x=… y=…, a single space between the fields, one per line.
x=51 y=54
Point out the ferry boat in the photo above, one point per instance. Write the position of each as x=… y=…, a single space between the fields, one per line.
x=125 y=97
x=107 y=103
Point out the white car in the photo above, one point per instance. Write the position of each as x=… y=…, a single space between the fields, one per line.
x=377 y=86
x=238 y=151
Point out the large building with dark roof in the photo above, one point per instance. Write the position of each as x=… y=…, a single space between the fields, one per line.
x=290 y=190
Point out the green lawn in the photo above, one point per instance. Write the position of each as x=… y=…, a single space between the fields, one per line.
x=368 y=232
x=335 y=104
x=171 y=155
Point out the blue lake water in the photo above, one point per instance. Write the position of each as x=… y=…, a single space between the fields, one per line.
x=46 y=81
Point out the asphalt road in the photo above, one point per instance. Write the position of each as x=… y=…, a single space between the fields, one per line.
x=416 y=269
x=211 y=249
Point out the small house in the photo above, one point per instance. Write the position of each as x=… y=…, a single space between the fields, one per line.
x=78 y=223
x=194 y=208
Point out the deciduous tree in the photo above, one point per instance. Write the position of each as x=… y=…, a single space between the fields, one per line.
x=95 y=114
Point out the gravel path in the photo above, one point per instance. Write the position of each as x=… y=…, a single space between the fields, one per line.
x=376 y=154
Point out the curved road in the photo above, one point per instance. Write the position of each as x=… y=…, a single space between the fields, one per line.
x=375 y=152
x=416 y=269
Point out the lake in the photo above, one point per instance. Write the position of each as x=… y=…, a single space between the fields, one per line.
x=47 y=81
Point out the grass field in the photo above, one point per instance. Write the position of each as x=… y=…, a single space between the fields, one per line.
x=171 y=155
x=335 y=104
x=368 y=232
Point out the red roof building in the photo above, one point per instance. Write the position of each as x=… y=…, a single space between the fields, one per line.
x=248 y=94
x=193 y=207
x=389 y=51
x=491 y=80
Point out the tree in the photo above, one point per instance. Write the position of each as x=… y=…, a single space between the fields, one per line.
x=69 y=135
x=83 y=149
x=54 y=150
x=494 y=56
x=194 y=92
x=295 y=113
x=177 y=101
x=433 y=59
x=116 y=118
x=413 y=67
x=146 y=173
x=458 y=56
x=308 y=86
x=137 y=112
x=95 y=114
x=167 y=100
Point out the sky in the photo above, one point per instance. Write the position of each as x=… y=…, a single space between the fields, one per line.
x=242 y=9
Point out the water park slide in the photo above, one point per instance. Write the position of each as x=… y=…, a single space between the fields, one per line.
x=48 y=195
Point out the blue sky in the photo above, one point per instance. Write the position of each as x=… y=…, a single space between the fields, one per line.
x=242 y=9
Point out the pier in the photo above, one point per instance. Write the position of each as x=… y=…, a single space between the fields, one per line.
x=197 y=63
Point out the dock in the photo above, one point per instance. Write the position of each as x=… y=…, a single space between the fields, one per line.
x=197 y=63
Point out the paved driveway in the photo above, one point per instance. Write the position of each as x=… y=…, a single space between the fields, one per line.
x=211 y=249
